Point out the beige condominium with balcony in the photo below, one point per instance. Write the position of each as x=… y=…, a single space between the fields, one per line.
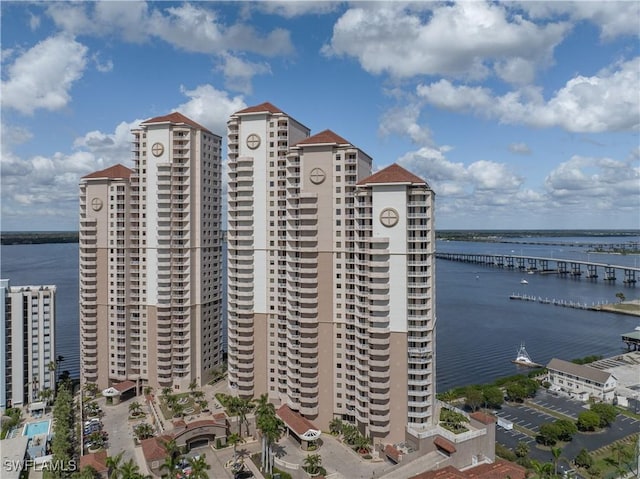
x=150 y=260
x=331 y=303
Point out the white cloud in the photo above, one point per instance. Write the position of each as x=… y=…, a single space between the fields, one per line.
x=291 y=9
x=608 y=101
x=238 y=72
x=34 y=22
x=43 y=75
x=102 y=67
x=520 y=148
x=191 y=27
x=210 y=107
x=605 y=182
x=463 y=40
x=614 y=18
x=404 y=121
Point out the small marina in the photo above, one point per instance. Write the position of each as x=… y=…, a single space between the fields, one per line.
x=555 y=302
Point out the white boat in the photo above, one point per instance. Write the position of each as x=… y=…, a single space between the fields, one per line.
x=523 y=358
x=524 y=281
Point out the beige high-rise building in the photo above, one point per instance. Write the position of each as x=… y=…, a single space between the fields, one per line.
x=27 y=343
x=331 y=290
x=150 y=260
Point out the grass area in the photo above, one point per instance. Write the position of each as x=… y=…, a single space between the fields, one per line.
x=191 y=403
x=609 y=463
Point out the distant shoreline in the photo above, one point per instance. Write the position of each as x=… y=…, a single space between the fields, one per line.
x=492 y=236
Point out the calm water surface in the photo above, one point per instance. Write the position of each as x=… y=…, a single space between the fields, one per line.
x=479 y=329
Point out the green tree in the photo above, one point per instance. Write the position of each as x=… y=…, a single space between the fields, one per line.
x=335 y=426
x=556 y=452
x=199 y=467
x=313 y=463
x=548 y=434
x=522 y=449
x=240 y=407
x=588 y=421
x=516 y=392
x=193 y=385
x=566 y=428
x=607 y=413
x=620 y=297
x=87 y=472
x=493 y=396
x=543 y=470
x=234 y=439
x=363 y=444
x=130 y=470
x=452 y=420
x=143 y=431
x=271 y=428
x=473 y=398
x=583 y=459
x=113 y=464
x=135 y=408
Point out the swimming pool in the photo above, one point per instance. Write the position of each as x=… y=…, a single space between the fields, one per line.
x=36 y=428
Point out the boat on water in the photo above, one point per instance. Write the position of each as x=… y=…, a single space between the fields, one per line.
x=524 y=281
x=523 y=358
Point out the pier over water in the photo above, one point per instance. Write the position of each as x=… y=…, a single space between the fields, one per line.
x=562 y=267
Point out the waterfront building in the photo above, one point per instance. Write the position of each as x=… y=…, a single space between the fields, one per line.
x=581 y=381
x=27 y=343
x=150 y=260
x=331 y=292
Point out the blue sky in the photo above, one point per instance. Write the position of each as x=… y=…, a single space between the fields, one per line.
x=521 y=115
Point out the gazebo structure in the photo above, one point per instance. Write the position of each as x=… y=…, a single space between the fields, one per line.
x=120 y=392
x=304 y=430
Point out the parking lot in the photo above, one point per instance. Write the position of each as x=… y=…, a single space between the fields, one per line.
x=530 y=418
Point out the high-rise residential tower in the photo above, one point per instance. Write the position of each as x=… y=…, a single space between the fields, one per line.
x=150 y=260
x=331 y=289
x=27 y=343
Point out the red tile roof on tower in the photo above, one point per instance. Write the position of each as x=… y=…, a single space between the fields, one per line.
x=177 y=118
x=323 y=138
x=496 y=470
x=115 y=171
x=484 y=418
x=295 y=421
x=261 y=108
x=124 y=386
x=393 y=174
x=97 y=460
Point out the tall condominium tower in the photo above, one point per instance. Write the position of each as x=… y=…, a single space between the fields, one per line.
x=331 y=303
x=150 y=260
x=27 y=343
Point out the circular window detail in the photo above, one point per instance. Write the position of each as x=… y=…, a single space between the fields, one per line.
x=96 y=204
x=253 y=141
x=317 y=176
x=157 y=149
x=389 y=217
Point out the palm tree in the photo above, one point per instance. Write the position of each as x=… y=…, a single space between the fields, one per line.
x=135 y=408
x=87 y=472
x=199 y=467
x=556 y=452
x=234 y=439
x=91 y=389
x=45 y=395
x=178 y=409
x=170 y=464
x=542 y=469
x=52 y=372
x=144 y=431
x=193 y=385
x=271 y=427
x=313 y=463
x=129 y=470
x=241 y=407
x=113 y=464
x=363 y=444
x=335 y=426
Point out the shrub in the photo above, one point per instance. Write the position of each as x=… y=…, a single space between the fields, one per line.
x=583 y=459
x=588 y=421
x=607 y=413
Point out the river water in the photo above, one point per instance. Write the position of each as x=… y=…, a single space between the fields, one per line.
x=479 y=329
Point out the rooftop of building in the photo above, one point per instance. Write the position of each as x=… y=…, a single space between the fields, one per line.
x=265 y=107
x=326 y=137
x=113 y=172
x=393 y=173
x=500 y=469
x=175 y=118
x=579 y=370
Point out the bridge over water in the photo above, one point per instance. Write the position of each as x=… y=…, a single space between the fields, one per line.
x=562 y=267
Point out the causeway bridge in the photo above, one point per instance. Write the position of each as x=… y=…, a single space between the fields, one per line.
x=562 y=267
